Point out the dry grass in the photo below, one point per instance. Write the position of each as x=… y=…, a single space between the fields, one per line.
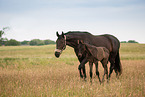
x=34 y=71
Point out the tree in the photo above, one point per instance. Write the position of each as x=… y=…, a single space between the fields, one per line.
x=46 y=42
x=36 y=42
x=123 y=42
x=132 y=41
x=51 y=42
x=12 y=42
x=25 y=42
x=2 y=32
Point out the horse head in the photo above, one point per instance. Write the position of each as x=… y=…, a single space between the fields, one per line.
x=60 y=44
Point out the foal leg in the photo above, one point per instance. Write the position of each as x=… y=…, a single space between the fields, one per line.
x=82 y=67
x=91 y=66
x=104 y=63
x=97 y=72
x=84 y=72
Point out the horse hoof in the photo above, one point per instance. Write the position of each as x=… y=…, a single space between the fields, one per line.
x=81 y=76
x=79 y=67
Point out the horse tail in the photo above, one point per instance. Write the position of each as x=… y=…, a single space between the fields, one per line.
x=118 y=64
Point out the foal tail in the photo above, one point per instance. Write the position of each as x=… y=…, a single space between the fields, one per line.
x=118 y=64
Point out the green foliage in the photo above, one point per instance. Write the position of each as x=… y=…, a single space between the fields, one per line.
x=130 y=41
x=12 y=42
x=25 y=42
x=36 y=42
x=123 y=41
x=1 y=39
x=1 y=33
x=39 y=42
x=46 y=42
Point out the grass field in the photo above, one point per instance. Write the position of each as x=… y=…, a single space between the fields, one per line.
x=34 y=71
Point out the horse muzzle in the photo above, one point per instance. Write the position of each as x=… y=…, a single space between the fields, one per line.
x=57 y=54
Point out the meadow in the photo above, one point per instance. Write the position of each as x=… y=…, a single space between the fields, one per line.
x=34 y=71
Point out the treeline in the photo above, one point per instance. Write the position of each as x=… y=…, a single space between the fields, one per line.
x=13 y=42
x=34 y=42
x=129 y=41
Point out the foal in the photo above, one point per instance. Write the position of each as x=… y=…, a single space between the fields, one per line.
x=93 y=55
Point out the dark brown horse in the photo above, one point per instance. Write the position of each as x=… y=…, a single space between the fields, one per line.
x=108 y=41
x=93 y=55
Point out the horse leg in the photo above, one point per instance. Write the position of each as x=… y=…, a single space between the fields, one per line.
x=82 y=67
x=112 y=66
x=111 y=70
x=97 y=72
x=104 y=63
x=116 y=71
x=91 y=66
x=80 y=73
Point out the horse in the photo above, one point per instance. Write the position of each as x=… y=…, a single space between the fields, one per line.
x=109 y=41
x=93 y=55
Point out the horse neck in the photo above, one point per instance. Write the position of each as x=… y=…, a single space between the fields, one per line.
x=71 y=40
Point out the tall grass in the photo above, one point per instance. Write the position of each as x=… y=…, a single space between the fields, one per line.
x=34 y=71
x=132 y=51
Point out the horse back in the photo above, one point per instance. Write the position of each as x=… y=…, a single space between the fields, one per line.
x=108 y=41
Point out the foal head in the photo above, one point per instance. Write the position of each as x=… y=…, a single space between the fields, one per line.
x=81 y=48
x=60 y=44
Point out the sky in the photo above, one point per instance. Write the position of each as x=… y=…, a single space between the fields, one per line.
x=40 y=19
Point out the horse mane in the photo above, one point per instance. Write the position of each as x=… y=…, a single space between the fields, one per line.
x=78 y=32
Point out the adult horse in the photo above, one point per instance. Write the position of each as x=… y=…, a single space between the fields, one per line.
x=109 y=41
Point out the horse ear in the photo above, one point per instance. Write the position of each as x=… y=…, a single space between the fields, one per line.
x=57 y=34
x=62 y=34
x=81 y=42
x=78 y=41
